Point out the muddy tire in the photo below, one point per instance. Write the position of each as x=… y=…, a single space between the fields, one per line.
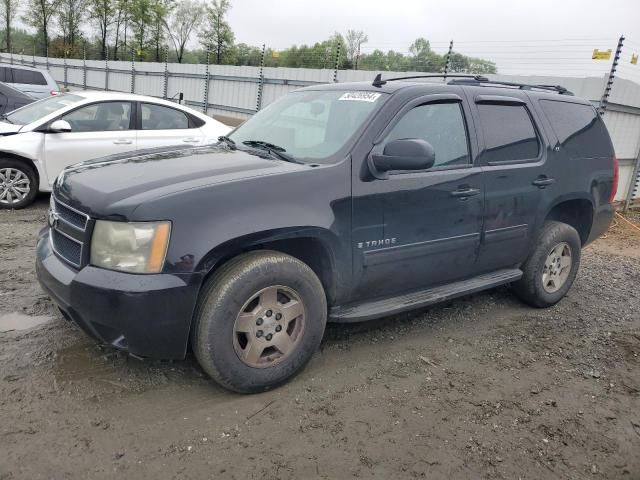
x=18 y=184
x=258 y=321
x=551 y=267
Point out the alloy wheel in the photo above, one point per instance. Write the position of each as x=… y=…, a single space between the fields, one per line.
x=14 y=186
x=269 y=326
x=557 y=267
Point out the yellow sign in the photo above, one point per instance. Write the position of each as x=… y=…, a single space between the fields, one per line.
x=601 y=54
x=634 y=59
x=275 y=54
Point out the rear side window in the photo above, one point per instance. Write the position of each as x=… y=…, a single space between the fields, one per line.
x=578 y=127
x=158 y=117
x=440 y=124
x=509 y=133
x=28 y=76
x=3 y=75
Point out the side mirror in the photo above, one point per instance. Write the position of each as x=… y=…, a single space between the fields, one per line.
x=60 y=126
x=404 y=154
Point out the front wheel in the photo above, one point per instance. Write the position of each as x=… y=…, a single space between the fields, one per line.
x=258 y=321
x=18 y=184
x=551 y=267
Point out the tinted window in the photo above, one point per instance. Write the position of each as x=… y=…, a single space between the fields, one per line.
x=440 y=124
x=157 y=117
x=578 y=127
x=100 y=117
x=28 y=76
x=508 y=133
x=3 y=74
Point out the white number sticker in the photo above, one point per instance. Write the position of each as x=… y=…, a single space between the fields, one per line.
x=360 y=96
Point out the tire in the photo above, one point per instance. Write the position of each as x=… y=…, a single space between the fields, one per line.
x=228 y=321
x=545 y=281
x=12 y=195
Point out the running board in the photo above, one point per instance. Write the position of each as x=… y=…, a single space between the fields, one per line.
x=416 y=299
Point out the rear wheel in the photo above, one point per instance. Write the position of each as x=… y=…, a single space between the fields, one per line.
x=552 y=266
x=18 y=184
x=259 y=320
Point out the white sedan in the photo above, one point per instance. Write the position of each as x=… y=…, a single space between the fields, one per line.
x=38 y=140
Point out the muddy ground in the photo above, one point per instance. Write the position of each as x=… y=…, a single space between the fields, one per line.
x=482 y=387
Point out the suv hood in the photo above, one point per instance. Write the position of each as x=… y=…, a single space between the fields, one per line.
x=113 y=186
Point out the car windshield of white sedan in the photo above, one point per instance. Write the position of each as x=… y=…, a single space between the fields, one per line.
x=310 y=124
x=40 y=109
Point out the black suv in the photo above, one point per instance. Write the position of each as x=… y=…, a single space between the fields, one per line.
x=341 y=202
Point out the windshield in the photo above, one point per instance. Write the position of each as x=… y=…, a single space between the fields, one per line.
x=37 y=110
x=309 y=124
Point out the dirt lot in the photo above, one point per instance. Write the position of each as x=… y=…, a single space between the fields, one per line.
x=482 y=387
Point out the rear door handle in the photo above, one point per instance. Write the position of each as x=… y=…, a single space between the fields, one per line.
x=191 y=140
x=122 y=141
x=464 y=192
x=542 y=182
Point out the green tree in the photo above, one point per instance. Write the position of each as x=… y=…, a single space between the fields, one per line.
x=140 y=14
x=70 y=16
x=216 y=33
x=102 y=12
x=39 y=15
x=182 y=22
x=354 y=41
x=8 y=13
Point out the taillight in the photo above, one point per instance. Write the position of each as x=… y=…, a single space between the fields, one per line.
x=616 y=178
x=54 y=92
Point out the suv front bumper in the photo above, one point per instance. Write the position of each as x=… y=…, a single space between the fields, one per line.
x=146 y=315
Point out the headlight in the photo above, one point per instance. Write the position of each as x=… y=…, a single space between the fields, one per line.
x=130 y=247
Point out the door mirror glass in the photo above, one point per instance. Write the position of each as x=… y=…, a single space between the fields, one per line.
x=60 y=126
x=405 y=154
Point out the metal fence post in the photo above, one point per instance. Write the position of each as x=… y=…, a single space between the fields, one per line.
x=46 y=54
x=165 y=87
x=260 y=81
x=207 y=81
x=337 y=63
x=34 y=55
x=447 y=63
x=11 y=55
x=106 y=67
x=64 y=66
x=133 y=71
x=634 y=185
x=612 y=74
x=84 y=66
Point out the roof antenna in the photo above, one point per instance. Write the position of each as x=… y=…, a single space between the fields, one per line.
x=378 y=82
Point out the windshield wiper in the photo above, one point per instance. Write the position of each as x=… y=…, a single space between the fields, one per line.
x=4 y=118
x=274 y=150
x=228 y=141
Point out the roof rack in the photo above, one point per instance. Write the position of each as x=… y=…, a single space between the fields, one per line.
x=475 y=80
x=378 y=81
x=522 y=86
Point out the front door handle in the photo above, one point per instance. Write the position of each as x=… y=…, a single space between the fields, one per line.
x=122 y=141
x=464 y=192
x=543 y=181
x=191 y=140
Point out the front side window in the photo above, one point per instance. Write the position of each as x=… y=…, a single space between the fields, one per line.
x=100 y=117
x=311 y=124
x=158 y=117
x=40 y=109
x=28 y=76
x=440 y=124
x=508 y=133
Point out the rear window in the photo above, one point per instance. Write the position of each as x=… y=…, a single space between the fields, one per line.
x=579 y=129
x=28 y=76
x=508 y=133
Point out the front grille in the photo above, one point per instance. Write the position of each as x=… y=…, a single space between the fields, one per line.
x=67 y=248
x=71 y=216
x=68 y=232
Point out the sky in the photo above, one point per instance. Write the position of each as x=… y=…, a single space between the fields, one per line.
x=551 y=34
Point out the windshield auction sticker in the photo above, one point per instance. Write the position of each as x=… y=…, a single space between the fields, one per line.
x=360 y=96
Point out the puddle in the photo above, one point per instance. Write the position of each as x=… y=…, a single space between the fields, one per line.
x=20 y=321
